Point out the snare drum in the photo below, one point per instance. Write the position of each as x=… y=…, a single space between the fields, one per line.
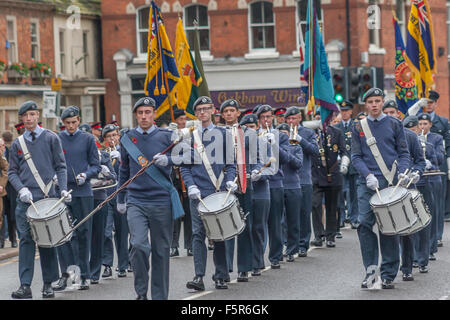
x=222 y=222
x=422 y=212
x=49 y=227
x=396 y=213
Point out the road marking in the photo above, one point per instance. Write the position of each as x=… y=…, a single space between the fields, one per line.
x=16 y=259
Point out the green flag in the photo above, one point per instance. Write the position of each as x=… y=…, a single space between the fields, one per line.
x=203 y=87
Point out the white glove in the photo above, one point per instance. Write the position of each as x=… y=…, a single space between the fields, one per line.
x=344 y=165
x=81 y=179
x=105 y=170
x=114 y=154
x=414 y=177
x=173 y=126
x=121 y=208
x=255 y=176
x=298 y=138
x=55 y=180
x=231 y=185
x=428 y=164
x=161 y=160
x=412 y=111
x=269 y=138
x=25 y=195
x=67 y=195
x=194 y=192
x=404 y=179
x=372 y=182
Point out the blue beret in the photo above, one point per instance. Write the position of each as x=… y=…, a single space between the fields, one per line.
x=373 y=92
x=284 y=126
x=248 y=118
x=292 y=111
x=424 y=116
x=178 y=113
x=69 y=112
x=433 y=95
x=390 y=104
x=255 y=109
x=145 y=101
x=27 y=106
x=202 y=100
x=346 y=105
x=263 y=108
x=229 y=103
x=85 y=127
x=410 y=121
x=108 y=128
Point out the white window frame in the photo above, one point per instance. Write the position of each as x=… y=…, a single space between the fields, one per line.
x=402 y=21
x=205 y=54
x=86 y=56
x=296 y=53
x=16 y=50
x=38 y=39
x=62 y=54
x=141 y=57
x=447 y=21
x=261 y=53
x=375 y=47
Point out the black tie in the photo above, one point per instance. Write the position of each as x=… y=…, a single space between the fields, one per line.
x=345 y=126
x=145 y=132
x=33 y=136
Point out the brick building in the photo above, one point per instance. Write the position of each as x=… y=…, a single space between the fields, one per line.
x=250 y=48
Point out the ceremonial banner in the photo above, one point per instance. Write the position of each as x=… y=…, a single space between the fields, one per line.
x=420 y=49
x=203 y=89
x=162 y=73
x=317 y=71
x=405 y=87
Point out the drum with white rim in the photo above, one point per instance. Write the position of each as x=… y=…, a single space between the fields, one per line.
x=49 y=225
x=394 y=213
x=222 y=222
x=421 y=210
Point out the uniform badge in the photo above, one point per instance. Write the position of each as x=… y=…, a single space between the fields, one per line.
x=347 y=147
x=19 y=152
x=335 y=148
x=147 y=101
x=348 y=134
x=204 y=100
x=134 y=139
x=142 y=161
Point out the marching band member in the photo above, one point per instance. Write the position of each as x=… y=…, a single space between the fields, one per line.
x=83 y=163
x=310 y=149
x=150 y=200
x=279 y=115
x=203 y=179
x=391 y=143
x=48 y=158
x=114 y=219
x=96 y=128
x=20 y=127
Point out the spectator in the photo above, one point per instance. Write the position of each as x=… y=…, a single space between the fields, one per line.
x=3 y=182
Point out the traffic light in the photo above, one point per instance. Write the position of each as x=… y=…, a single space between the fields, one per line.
x=353 y=84
x=367 y=80
x=338 y=76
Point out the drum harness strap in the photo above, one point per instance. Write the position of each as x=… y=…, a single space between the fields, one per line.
x=372 y=143
x=27 y=156
x=201 y=150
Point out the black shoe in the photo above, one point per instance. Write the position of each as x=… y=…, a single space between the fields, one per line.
x=440 y=243
x=387 y=284
x=290 y=258
x=242 y=277
x=130 y=269
x=423 y=269
x=415 y=264
x=339 y=235
x=190 y=253
x=330 y=244
x=369 y=280
x=47 y=291
x=275 y=265
x=407 y=277
x=317 y=242
x=139 y=297
x=221 y=284
x=122 y=274
x=94 y=281
x=196 y=284
x=14 y=244
x=342 y=225
x=256 y=273
x=24 y=292
x=107 y=272
x=210 y=245
x=302 y=253
x=83 y=285
x=62 y=283
x=2 y=244
x=174 y=252
x=432 y=257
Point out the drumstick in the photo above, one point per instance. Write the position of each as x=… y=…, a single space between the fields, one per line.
x=229 y=191
x=204 y=204
x=410 y=181
x=34 y=207
x=398 y=183
x=58 y=202
x=379 y=195
x=272 y=159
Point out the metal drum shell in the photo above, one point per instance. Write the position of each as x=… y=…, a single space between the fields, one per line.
x=422 y=211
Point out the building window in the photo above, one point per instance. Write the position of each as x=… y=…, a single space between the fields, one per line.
x=62 y=51
x=302 y=11
x=374 y=33
x=35 y=43
x=262 y=25
x=400 y=13
x=142 y=27
x=197 y=14
x=85 y=52
x=12 y=39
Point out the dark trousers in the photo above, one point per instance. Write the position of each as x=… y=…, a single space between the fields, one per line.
x=274 y=224
x=119 y=223
x=305 y=216
x=437 y=189
x=442 y=203
x=9 y=209
x=292 y=202
x=331 y=195
x=187 y=227
x=261 y=209
x=97 y=240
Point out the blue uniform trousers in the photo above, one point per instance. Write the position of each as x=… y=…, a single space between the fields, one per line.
x=389 y=245
x=77 y=250
x=200 y=251
x=27 y=250
x=436 y=186
x=159 y=220
x=274 y=224
x=187 y=226
x=344 y=202
x=442 y=201
x=261 y=209
x=97 y=240
x=305 y=216
x=352 y=204
x=292 y=202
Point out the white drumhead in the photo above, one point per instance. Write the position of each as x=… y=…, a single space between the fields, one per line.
x=43 y=206
x=215 y=200
x=398 y=194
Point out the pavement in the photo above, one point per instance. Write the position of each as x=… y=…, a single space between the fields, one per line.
x=7 y=252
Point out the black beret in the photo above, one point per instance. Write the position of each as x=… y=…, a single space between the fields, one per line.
x=229 y=103
x=280 y=111
x=178 y=113
x=361 y=114
x=410 y=121
x=390 y=104
x=292 y=111
x=145 y=101
x=69 y=112
x=263 y=108
x=424 y=116
x=284 y=126
x=85 y=127
x=373 y=92
x=247 y=112
x=202 y=100
x=255 y=109
x=27 y=106
x=346 y=105
x=108 y=128
x=249 y=118
x=317 y=112
x=433 y=95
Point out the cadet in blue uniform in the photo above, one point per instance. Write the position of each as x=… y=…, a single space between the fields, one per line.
x=391 y=142
x=48 y=158
x=83 y=164
x=310 y=149
x=201 y=184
